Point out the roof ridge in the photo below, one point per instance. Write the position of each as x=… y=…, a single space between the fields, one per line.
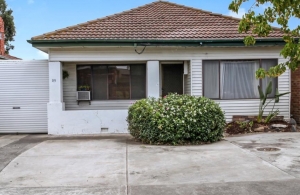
x=197 y=9
x=92 y=21
x=205 y=11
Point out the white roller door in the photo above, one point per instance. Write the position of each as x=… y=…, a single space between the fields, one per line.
x=24 y=94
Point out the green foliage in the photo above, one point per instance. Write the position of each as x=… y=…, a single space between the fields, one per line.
x=245 y=125
x=250 y=124
x=280 y=11
x=65 y=74
x=84 y=88
x=9 y=25
x=262 y=105
x=176 y=119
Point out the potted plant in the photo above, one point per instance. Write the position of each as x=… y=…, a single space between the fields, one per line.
x=84 y=88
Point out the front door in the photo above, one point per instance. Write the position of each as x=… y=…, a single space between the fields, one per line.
x=172 y=79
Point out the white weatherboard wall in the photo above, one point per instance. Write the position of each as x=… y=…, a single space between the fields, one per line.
x=85 y=119
x=23 y=85
x=245 y=106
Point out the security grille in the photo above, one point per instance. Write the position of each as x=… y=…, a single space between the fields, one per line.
x=83 y=95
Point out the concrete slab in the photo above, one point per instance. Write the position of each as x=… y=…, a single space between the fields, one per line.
x=115 y=164
x=65 y=163
x=65 y=191
x=220 y=162
x=286 y=159
x=7 y=139
x=282 y=187
x=76 y=147
x=10 y=151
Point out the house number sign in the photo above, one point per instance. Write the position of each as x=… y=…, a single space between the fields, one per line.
x=53 y=80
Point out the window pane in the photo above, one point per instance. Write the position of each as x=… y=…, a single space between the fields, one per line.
x=238 y=79
x=99 y=82
x=83 y=76
x=211 y=79
x=266 y=64
x=119 y=82
x=138 y=81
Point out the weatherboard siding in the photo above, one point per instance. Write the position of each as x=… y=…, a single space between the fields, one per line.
x=195 y=56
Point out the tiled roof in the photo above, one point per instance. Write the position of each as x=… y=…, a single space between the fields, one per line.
x=159 y=20
x=8 y=57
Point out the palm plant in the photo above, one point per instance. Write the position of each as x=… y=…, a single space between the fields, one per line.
x=263 y=98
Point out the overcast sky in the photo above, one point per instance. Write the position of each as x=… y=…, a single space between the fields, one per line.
x=35 y=17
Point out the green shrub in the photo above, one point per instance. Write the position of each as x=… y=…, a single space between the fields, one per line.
x=176 y=119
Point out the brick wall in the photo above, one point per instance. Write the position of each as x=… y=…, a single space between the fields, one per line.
x=295 y=96
x=2 y=37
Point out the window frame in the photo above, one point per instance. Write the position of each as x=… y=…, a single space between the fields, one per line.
x=237 y=60
x=107 y=92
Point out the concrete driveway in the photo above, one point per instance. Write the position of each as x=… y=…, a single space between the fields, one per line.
x=116 y=164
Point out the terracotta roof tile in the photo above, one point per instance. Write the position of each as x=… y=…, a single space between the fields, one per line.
x=8 y=57
x=159 y=20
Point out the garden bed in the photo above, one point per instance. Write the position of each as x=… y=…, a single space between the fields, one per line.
x=237 y=127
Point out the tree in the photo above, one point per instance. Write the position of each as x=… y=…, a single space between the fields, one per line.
x=9 y=25
x=280 y=11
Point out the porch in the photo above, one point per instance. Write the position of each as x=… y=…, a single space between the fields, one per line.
x=107 y=111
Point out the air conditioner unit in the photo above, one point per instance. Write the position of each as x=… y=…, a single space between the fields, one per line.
x=83 y=96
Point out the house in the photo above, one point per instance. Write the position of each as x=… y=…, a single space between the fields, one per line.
x=3 y=54
x=153 y=50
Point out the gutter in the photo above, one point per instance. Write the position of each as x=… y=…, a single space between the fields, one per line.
x=135 y=43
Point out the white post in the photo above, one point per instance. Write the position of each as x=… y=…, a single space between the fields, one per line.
x=153 y=89
x=56 y=104
x=55 y=82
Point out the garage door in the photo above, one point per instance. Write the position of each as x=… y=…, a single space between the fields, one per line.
x=24 y=94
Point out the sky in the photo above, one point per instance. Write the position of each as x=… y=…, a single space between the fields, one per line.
x=36 y=17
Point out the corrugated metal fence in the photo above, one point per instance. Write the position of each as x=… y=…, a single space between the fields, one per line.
x=24 y=94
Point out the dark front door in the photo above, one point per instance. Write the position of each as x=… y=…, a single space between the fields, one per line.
x=172 y=79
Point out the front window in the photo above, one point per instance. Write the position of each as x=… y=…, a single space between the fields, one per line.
x=113 y=82
x=235 y=79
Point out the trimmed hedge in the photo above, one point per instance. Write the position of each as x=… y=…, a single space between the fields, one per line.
x=176 y=119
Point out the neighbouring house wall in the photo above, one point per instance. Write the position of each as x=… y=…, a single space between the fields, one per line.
x=90 y=119
x=2 y=35
x=295 y=96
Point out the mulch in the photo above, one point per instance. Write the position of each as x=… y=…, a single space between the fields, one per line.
x=236 y=127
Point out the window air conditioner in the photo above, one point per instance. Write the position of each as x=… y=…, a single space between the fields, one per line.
x=83 y=96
